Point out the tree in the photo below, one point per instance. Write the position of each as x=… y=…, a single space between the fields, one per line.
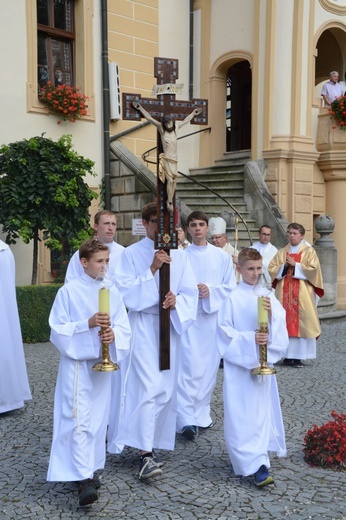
x=42 y=189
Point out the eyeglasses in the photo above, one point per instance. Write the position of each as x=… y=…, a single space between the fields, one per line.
x=153 y=220
x=216 y=237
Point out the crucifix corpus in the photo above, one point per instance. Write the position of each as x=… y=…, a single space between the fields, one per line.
x=162 y=112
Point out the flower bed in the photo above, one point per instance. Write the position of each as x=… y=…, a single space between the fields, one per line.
x=325 y=446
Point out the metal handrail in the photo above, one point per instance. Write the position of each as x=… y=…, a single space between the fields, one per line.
x=222 y=198
x=144 y=157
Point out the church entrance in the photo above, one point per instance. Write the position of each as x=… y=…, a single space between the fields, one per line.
x=238 y=108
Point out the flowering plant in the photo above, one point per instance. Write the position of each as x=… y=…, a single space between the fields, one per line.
x=64 y=100
x=325 y=446
x=338 y=111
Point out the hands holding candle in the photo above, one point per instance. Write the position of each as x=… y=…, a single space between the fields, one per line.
x=264 y=308
x=101 y=319
x=262 y=335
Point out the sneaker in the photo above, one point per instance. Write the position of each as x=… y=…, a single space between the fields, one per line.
x=262 y=477
x=87 y=492
x=149 y=468
x=298 y=363
x=189 y=432
x=156 y=459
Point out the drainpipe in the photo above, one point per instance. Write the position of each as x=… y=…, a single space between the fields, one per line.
x=191 y=52
x=105 y=104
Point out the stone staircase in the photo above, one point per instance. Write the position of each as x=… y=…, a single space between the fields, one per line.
x=225 y=178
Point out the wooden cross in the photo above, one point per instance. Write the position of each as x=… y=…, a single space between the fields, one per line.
x=166 y=72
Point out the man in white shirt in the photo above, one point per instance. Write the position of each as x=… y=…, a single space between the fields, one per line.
x=105 y=226
x=332 y=89
x=266 y=248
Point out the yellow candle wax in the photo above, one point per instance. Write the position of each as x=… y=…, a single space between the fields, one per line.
x=104 y=305
x=262 y=313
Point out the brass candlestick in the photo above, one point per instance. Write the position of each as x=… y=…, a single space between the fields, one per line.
x=262 y=290
x=106 y=365
x=263 y=369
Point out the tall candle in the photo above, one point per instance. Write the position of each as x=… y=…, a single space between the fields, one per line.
x=104 y=305
x=262 y=313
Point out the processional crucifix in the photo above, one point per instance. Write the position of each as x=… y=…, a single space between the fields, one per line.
x=163 y=112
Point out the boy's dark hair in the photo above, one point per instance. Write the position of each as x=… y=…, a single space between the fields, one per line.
x=297 y=227
x=90 y=247
x=197 y=215
x=150 y=210
x=99 y=214
x=248 y=253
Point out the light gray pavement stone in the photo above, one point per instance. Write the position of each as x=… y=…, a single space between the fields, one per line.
x=197 y=481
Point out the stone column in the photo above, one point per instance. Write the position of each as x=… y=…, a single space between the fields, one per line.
x=327 y=255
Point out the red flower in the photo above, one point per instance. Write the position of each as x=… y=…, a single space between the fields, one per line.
x=338 y=112
x=64 y=99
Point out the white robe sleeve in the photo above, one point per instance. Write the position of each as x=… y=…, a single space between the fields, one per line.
x=73 y=339
x=139 y=292
x=121 y=327
x=298 y=272
x=186 y=300
x=278 y=335
x=218 y=293
x=239 y=348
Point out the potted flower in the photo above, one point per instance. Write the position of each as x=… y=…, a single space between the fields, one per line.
x=64 y=100
x=325 y=446
x=338 y=111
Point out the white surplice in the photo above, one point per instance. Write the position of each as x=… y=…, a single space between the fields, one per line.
x=75 y=268
x=252 y=413
x=200 y=359
x=82 y=396
x=267 y=251
x=149 y=395
x=14 y=384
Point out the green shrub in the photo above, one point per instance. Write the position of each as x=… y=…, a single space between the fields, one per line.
x=34 y=305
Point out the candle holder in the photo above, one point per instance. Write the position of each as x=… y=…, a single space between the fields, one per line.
x=262 y=289
x=106 y=365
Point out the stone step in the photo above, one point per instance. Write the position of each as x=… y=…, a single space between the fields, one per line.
x=216 y=184
x=215 y=205
x=227 y=193
x=213 y=171
x=234 y=157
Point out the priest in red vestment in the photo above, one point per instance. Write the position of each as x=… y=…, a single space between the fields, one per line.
x=296 y=274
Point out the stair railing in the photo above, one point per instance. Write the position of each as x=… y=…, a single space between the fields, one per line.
x=147 y=153
x=223 y=199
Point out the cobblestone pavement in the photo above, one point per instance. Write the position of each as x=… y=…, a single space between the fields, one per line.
x=197 y=481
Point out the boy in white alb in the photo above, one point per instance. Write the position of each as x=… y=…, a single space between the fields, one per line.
x=199 y=356
x=148 y=417
x=82 y=396
x=253 y=421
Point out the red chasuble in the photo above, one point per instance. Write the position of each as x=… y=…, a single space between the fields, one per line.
x=291 y=299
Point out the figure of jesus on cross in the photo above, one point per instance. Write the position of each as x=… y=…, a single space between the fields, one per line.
x=168 y=160
x=163 y=112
